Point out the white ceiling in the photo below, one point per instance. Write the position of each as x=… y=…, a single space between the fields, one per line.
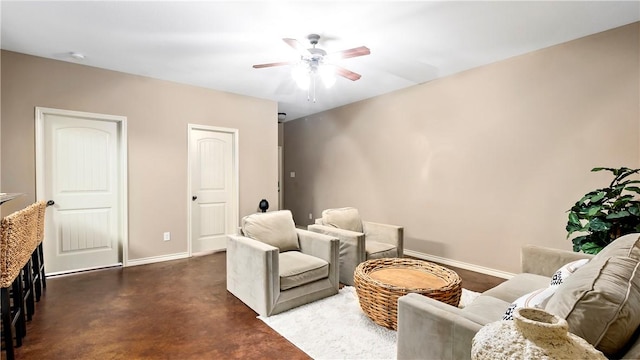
x=213 y=44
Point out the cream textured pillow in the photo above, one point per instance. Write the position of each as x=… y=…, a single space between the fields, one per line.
x=275 y=228
x=601 y=302
x=346 y=218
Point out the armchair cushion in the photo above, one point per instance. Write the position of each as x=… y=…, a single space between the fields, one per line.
x=297 y=269
x=346 y=218
x=275 y=228
x=379 y=250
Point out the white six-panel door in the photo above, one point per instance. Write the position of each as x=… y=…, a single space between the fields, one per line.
x=213 y=185
x=80 y=169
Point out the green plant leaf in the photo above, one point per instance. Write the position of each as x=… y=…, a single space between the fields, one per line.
x=593 y=210
x=622 y=200
x=627 y=182
x=604 y=168
x=625 y=172
x=591 y=248
x=571 y=228
x=599 y=225
x=573 y=219
x=634 y=189
x=598 y=196
x=579 y=240
x=634 y=209
x=617 y=189
x=618 y=215
x=602 y=215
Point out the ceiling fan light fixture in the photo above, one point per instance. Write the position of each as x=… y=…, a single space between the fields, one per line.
x=302 y=75
x=314 y=64
x=328 y=75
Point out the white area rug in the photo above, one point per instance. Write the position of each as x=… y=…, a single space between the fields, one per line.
x=336 y=328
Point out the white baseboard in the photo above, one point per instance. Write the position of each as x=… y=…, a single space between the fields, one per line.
x=460 y=264
x=155 y=259
x=77 y=271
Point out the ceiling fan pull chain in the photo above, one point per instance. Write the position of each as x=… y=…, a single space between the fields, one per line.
x=313 y=80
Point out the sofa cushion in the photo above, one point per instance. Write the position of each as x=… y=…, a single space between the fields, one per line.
x=298 y=269
x=485 y=309
x=379 y=250
x=565 y=271
x=601 y=302
x=346 y=218
x=517 y=286
x=535 y=299
x=627 y=245
x=275 y=228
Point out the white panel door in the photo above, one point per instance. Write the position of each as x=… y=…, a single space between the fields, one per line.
x=213 y=200
x=81 y=172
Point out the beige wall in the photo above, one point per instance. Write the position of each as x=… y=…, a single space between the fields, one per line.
x=157 y=113
x=476 y=164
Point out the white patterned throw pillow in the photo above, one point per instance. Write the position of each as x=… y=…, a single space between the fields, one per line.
x=535 y=299
x=563 y=273
x=539 y=298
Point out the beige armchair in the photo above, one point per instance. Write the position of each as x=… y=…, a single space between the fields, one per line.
x=273 y=267
x=359 y=240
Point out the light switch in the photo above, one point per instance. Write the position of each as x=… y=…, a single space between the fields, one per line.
x=292 y=174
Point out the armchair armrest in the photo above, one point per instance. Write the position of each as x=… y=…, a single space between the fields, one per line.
x=352 y=250
x=545 y=261
x=351 y=242
x=324 y=247
x=385 y=233
x=319 y=245
x=252 y=272
x=448 y=332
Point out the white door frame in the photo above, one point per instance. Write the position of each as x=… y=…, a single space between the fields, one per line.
x=280 y=178
x=236 y=175
x=121 y=122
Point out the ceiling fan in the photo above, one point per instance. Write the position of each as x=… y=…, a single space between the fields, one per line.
x=316 y=61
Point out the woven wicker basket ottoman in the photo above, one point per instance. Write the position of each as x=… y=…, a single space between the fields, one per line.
x=380 y=282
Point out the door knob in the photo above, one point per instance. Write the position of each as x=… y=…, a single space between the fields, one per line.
x=194 y=198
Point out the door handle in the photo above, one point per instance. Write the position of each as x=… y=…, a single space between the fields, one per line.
x=194 y=198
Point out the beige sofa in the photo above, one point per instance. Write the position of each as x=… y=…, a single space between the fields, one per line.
x=600 y=301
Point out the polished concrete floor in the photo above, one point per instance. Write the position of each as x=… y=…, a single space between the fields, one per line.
x=172 y=310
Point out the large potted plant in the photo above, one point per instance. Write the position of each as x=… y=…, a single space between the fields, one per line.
x=603 y=215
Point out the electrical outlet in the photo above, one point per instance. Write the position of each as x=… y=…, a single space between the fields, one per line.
x=292 y=174
x=167 y=236
x=310 y=216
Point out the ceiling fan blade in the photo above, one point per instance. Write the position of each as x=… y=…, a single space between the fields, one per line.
x=296 y=45
x=260 y=66
x=345 y=54
x=347 y=73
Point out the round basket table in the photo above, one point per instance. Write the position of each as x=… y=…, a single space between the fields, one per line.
x=380 y=282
